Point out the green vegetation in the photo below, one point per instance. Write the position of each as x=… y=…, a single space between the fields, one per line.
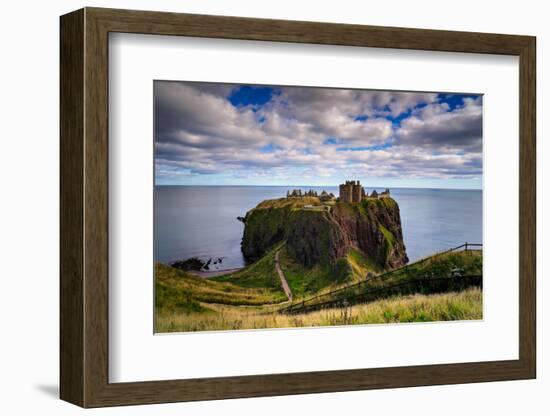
x=362 y=265
x=389 y=240
x=290 y=203
x=309 y=237
x=267 y=225
x=375 y=227
x=324 y=233
x=465 y=305
x=331 y=256
x=170 y=298
x=465 y=262
x=305 y=281
x=261 y=274
x=250 y=300
x=176 y=289
x=444 y=265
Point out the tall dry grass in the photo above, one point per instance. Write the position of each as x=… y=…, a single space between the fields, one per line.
x=465 y=305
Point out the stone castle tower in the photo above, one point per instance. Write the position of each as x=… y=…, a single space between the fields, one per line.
x=351 y=192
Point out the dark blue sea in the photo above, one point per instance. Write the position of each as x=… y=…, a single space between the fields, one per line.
x=201 y=221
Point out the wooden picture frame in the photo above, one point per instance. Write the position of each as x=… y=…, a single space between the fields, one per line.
x=84 y=207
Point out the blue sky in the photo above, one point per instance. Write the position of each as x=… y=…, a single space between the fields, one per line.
x=227 y=134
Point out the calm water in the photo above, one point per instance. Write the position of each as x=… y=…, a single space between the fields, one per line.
x=202 y=220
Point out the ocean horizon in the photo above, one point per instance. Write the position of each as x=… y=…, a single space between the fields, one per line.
x=316 y=186
x=201 y=220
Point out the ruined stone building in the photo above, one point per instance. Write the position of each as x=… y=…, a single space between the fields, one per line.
x=385 y=194
x=296 y=193
x=351 y=192
x=324 y=196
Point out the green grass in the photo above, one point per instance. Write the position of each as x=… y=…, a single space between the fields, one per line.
x=169 y=298
x=177 y=289
x=293 y=203
x=362 y=265
x=465 y=305
x=468 y=262
x=251 y=298
x=260 y=274
x=389 y=239
x=305 y=281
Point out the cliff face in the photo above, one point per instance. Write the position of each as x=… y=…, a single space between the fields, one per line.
x=323 y=235
x=374 y=227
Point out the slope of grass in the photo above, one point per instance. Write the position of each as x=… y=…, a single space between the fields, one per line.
x=176 y=289
x=260 y=274
x=361 y=265
x=465 y=305
x=305 y=281
x=388 y=238
x=465 y=262
x=169 y=298
x=453 y=306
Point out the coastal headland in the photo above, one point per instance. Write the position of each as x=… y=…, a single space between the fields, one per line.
x=310 y=244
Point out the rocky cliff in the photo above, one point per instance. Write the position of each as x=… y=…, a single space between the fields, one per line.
x=317 y=233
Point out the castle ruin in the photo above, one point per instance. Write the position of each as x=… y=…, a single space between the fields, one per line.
x=297 y=193
x=352 y=192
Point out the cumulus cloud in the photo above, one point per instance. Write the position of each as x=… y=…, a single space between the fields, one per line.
x=314 y=132
x=436 y=127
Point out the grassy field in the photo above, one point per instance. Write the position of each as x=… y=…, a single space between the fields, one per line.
x=465 y=262
x=465 y=305
x=182 y=292
x=304 y=281
x=308 y=281
x=252 y=297
x=260 y=274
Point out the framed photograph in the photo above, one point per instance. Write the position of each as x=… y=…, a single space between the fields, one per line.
x=256 y=207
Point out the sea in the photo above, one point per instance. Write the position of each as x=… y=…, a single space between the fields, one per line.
x=201 y=221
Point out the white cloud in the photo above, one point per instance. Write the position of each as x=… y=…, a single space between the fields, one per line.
x=198 y=131
x=436 y=127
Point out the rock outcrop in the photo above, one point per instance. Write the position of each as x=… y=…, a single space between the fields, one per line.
x=317 y=233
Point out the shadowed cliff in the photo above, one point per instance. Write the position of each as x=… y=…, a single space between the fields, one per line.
x=317 y=233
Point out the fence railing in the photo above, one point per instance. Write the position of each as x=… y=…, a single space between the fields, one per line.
x=419 y=285
x=326 y=298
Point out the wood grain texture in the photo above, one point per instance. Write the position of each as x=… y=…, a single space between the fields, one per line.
x=84 y=207
x=527 y=208
x=71 y=185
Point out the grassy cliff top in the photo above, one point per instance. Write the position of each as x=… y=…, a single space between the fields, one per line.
x=294 y=203
x=300 y=202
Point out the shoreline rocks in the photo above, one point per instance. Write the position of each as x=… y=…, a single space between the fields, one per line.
x=197 y=264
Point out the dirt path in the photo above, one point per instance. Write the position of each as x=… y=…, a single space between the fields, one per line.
x=284 y=283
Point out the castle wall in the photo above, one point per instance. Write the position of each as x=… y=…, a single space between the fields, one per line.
x=351 y=192
x=346 y=193
x=356 y=193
